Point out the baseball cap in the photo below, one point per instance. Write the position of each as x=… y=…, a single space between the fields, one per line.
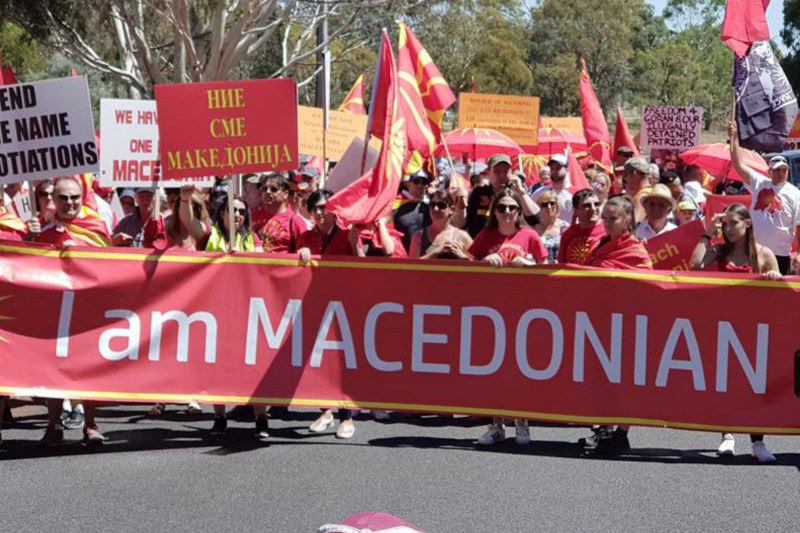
x=561 y=159
x=126 y=193
x=311 y=172
x=625 y=150
x=638 y=164
x=687 y=205
x=497 y=159
x=371 y=523
x=137 y=190
x=777 y=162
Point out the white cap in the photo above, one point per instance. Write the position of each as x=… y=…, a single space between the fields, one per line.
x=561 y=159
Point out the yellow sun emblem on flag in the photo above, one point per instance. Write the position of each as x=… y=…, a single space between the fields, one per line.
x=4 y=317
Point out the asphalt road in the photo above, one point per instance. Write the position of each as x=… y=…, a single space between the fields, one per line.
x=167 y=474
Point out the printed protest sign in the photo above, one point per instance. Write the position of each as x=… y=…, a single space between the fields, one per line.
x=793 y=140
x=671 y=127
x=514 y=116
x=46 y=130
x=22 y=203
x=563 y=123
x=342 y=129
x=227 y=127
x=130 y=158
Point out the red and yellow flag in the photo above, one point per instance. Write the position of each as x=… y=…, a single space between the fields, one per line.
x=425 y=97
x=370 y=197
x=598 y=140
x=354 y=101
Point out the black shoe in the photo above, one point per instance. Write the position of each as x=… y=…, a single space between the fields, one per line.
x=262 y=427
x=617 y=444
x=279 y=411
x=598 y=433
x=72 y=419
x=53 y=436
x=220 y=426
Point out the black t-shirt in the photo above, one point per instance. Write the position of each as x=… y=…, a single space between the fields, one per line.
x=411 y=217
x=480 y=200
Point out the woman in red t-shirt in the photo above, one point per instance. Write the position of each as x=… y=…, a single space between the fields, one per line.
x=739 y=253
x=506 y=241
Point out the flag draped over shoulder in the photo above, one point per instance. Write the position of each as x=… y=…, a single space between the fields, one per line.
x=745 y=22
x=766 y=106
x=425 y=97
x=622 y=135
x=354 y=101
x=370 y=197
x=598 y=140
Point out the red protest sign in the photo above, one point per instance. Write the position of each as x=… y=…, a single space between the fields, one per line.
x=673 y=249
x=227 y=127
x=716 y=203
x=130 y=329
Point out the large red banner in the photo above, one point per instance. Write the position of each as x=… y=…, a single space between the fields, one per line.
x=694 y=350
x=227 y=127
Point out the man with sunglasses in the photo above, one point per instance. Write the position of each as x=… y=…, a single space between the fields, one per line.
x=413 y=214
x=282 y=227
x=580 y=239
x=74 y=225
x=558 y=181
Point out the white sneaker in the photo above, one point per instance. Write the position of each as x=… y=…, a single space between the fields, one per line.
x=522 y=436
x=726 y=446
x=381 y=415
x=321 y=424
x=762 y=453
x=346 y=431
x=493 y=435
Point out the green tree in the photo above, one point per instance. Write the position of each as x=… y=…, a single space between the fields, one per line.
x=790 y=34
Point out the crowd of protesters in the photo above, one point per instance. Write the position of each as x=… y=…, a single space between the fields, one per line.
x=502 y=221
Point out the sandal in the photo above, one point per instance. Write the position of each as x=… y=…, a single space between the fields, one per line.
x=157 y=409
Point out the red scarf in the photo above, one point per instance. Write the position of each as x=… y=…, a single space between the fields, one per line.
x=626 y=252
x=11 y=227
x=88 y=228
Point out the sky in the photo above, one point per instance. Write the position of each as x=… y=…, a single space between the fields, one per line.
x=774 y=17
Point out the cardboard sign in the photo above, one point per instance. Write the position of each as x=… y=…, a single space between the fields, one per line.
x=22 y=203
x=348 y=169
x=227 y=127
x=671 y=127
x=673 y=250
x=130 y=157
x=793 y=140
x=46 y=130
x=563 y=123
x=342 y=129
x=514 y=116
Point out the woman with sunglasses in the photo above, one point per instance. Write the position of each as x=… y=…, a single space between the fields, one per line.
x=551 y=227
x=326 y=239
x=219 y=239
x=441 y=239
x=619 y=249
x=45 y=206
x=505 y=241
x=739 y=253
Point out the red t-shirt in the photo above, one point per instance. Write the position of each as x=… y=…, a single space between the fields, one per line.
x=524 y=242
x=578 y=243
x=337 y=242
x=280 y=231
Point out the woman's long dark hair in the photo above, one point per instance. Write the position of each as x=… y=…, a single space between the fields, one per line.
x=504 y=193
x=222 y=212
x=749 y=237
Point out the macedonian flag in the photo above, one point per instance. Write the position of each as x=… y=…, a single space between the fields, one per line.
x=370 y=197
x=354 y=101
x=598 y=139
x=424 y=98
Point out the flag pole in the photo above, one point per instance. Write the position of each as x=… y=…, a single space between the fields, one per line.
x=231 y=218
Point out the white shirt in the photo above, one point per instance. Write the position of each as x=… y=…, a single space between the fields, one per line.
x=646 y=232
x=564 y=199
x=775 y=212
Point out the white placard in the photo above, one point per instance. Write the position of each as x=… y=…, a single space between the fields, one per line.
x=676 y=128
x=46 y=130
x=22 y=202
x=130 y=156
x=348 y=169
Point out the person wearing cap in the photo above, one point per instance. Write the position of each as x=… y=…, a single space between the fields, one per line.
x=622 y=155
x=775 y=203
x=637 y=181
x=686 y=212
x=127 y=199
x=558 y=181
x=658 y=205
x=480 y=200
x=129 y=232
x=301 y=187
x=673 y=182
x=413 y=213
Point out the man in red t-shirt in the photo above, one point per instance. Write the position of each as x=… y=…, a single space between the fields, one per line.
x=282 y=227
x=580 y=239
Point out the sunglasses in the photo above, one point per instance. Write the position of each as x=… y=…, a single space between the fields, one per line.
x=69 y=197
x=45 y=195
x=240 y=211
x=272 y=188
x=590 y=205
x=319 y=208
x=440 y=206
x=547 y=204
x=503 y=208
x=420 y=181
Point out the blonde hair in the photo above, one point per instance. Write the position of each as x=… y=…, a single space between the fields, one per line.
x=549 y=196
